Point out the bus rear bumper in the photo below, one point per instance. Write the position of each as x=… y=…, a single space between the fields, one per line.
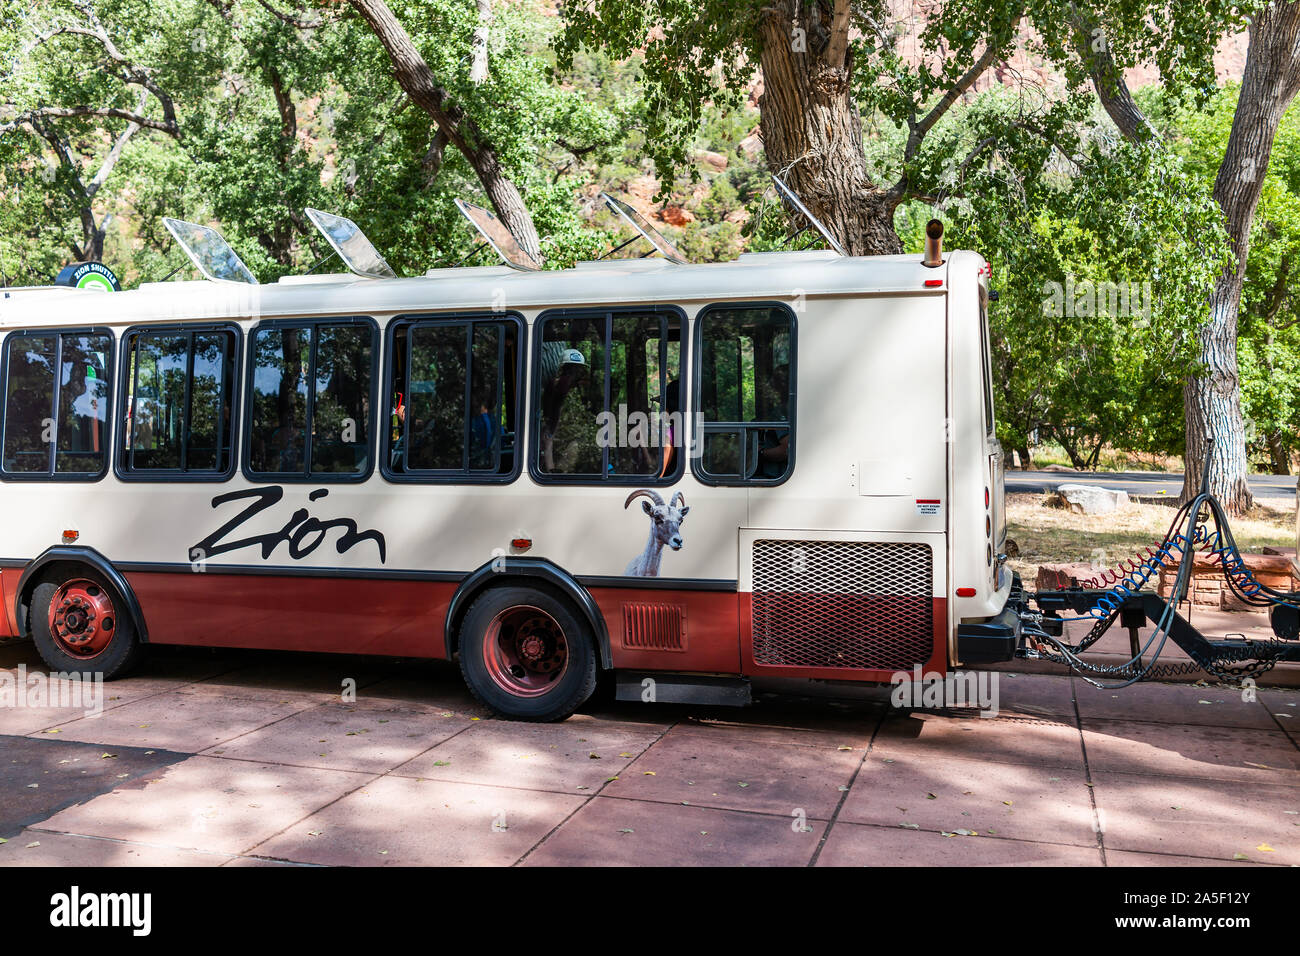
x=994 y=639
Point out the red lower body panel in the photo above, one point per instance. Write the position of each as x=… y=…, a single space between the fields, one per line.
x=707 y=638
x=837 y=637
x=9 y=578
x=334 y=615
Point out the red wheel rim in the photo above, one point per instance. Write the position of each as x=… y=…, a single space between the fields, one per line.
x=82 y=619
x=525 y=651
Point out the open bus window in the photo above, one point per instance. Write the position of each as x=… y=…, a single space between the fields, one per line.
x=312 y=400
x=455 y=398
x=607 y=397
x=745 y=394
x=180 y=386
x=56 y=404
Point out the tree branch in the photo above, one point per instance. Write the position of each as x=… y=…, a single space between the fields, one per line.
x=918 y=130
x=415 y=76
x=107 y=112
x=1107 y=78
x=837 y=49
x=293 y=21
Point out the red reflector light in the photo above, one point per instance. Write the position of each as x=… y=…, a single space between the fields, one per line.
x=986 y=497
x=70 y=536
x=931 y=283
x=521 y=544
x=965 y=592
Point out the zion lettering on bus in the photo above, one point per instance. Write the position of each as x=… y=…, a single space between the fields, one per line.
x=302 y=532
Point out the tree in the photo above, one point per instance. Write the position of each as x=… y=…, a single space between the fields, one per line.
x=1212 y=394
x=1268 y=340
x=1089 y=348
x=277 y=110
x=455 y=125
x=825 y=62
x=84 y=120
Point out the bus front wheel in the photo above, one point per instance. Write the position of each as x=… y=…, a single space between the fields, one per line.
x=527 y=655
x=80 y=626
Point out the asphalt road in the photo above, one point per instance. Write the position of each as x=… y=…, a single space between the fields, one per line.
x=1271 y=487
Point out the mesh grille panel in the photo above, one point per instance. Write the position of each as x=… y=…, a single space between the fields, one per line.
x=850 y=604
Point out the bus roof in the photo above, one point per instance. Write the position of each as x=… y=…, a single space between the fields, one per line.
x=754 y=276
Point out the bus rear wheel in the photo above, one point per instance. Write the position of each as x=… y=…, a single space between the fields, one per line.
x=527 y=655
x=80 y=626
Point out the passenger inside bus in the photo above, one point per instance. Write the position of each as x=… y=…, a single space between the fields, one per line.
x=672 y=430
x=561 y=369
x=774 y=443
x=453 y=406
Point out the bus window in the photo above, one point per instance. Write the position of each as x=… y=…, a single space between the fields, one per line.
x=454 y=399
x=990 y=426
x=312 y=400
x=56 y=404
x=178 y=415
x=607 y=396
x=745 y=388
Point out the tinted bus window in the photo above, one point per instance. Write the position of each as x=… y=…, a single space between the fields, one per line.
x=56 y=404
x=311 y=401
x=454 y=401
x=179 y=407
x=746 y=394
x=607 y=397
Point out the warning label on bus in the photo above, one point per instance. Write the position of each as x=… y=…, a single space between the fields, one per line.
x=928 y=506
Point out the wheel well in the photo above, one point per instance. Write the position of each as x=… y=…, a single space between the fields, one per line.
x=534 y=576
x=58 y=563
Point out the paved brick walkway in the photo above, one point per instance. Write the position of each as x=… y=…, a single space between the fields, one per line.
x=246 y=759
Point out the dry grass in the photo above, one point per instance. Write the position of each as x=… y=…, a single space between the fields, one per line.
x=1049 y=535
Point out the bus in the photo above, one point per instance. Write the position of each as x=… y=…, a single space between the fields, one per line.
x=689 y=476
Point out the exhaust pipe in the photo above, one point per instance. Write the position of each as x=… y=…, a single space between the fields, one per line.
x=933 y=244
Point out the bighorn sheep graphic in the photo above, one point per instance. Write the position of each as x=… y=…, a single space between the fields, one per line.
x=665 y=529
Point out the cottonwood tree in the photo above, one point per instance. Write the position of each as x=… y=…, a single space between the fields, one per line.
x=1212 y=395
x=824 y=63
x=79 y=95
x=455 y=125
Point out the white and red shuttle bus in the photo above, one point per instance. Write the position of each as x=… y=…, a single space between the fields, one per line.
x=701 y=474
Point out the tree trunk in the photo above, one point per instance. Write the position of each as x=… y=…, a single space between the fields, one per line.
x=1026 y=459
x=811 y=129
x=1212 y=398
x=415 y=76
x=1280 y=457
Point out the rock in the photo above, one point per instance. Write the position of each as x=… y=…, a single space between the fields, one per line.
x=676 y=215
x=1058 y=577
x=715 y=161
x=1091 y=500
x=751 y=145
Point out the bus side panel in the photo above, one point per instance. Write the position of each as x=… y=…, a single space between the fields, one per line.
x=9 y=578
x=295 y=613
x=671 y=630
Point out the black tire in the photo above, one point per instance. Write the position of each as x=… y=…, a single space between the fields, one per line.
x=569 y=690
x=115 y=660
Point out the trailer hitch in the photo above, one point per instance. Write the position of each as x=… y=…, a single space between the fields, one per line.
x=1120 y=595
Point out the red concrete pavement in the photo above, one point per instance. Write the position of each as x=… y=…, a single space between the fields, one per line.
x=244 y=758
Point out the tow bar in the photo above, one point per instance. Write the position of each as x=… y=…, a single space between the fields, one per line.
x=1118 y=595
